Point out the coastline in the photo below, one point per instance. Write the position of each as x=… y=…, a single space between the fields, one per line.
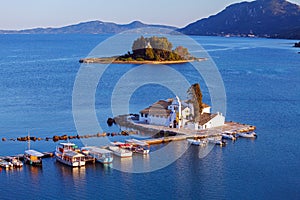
x=114 y=61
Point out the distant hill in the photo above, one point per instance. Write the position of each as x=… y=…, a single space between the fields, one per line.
x=262 y=18
x=92 y=27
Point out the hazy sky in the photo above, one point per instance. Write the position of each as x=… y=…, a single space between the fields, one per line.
x=21 y=14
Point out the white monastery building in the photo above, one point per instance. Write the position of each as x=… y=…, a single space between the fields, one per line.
x=175 y=113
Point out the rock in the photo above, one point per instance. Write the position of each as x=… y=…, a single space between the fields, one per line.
x=297 y=44
x=64 y=137
x=110 y=121
x=55 y=138
x=3 y=139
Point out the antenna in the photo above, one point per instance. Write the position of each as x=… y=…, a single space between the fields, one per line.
x=28 y=140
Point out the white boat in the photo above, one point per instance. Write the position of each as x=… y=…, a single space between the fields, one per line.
x=5 y=164
x=138 y=146
x=122 y=145
x=248 y=135
x=198 y=142
x=15 y=161
x=33 y=157
x=123 y=153
x=216 y=141
x=66 y=154
x=228 y=135
x=101 y=155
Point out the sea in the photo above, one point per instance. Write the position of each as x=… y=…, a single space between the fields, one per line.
x=260 y=77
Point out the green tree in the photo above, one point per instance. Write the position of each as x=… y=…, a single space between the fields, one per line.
x=161 y=43
x=182 y=52
x=196 y=97
x=149 y=54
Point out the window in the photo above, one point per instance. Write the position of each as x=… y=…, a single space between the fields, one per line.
x=142 y=115
x=146 y=115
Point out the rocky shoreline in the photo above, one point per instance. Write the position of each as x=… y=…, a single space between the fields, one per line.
x=115 y=61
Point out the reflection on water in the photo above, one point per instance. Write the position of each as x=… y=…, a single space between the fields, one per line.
x=160 y=156
x=34 y=171
x=77 y=173
x=123 y=164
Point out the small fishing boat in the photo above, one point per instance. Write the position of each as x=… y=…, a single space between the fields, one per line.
x=247 y=135
x=15 y=161
x=216 y=141
x=5 y=164
x=66 y=154
x=101 y=155
x=138 y=146
x=33 y=157
x=228 y=135
x=122 y=145
x=198 y=142
x=123 y=153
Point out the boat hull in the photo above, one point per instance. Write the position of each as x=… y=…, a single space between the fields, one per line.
x=6 y=166
x=197 y=142
x=230 y=137
x=120 y=152
x=247 y=135
x=33 y=163
x=71 y=164
x=105 y=160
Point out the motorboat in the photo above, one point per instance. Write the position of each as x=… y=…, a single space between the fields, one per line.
x=5 y=164
x=118 y=151
x=15 y=161
x=33 y=157
x=138 y=146
x=217 y=141
x=66 y=153
x=228 y=135
x=101 y=155
x=122 y=145
x=198 y=142
x=247 y=135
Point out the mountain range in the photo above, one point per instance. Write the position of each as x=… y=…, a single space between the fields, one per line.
x=261 y=18
x=91 y=27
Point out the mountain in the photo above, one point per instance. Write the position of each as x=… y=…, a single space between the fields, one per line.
x=262 y=18
x=92 y=27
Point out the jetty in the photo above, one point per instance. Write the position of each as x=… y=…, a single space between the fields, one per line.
x=166 y=134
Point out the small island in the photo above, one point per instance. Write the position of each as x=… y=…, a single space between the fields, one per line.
x=152 y=50
x=297 y=44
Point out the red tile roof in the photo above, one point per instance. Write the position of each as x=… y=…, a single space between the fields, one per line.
x=158 y=108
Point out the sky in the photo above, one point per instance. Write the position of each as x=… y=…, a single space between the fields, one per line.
x=23 y=14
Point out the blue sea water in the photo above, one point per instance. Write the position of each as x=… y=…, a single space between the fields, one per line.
x=261 y=78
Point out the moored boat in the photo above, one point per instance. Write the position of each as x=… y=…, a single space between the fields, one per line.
x=66 y=154
x=217 y=141
x=138 y=146
x=33 y=157
x=198 y=142
x=5 y=164
x=228 y=135
x=122 y=145
x=123 y=153
x=15 y=161
x=101 y=155
x=247 y=135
